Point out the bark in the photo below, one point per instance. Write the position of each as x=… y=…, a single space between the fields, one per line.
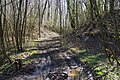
x=60 y=12
x=17 y=27
x=44 y=10
x=72 y=21
x=23 y=30
x=112 y=6
x=39 y=18
x=2 y=35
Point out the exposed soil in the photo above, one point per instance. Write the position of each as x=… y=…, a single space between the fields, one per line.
x=52 y=58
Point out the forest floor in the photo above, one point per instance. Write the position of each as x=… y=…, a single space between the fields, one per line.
x=49 y=54
x=43 y=56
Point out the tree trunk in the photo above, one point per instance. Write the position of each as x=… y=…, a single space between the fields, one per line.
x=17 y=27
x=111 y=6
x=2 y=35
x=39 y=18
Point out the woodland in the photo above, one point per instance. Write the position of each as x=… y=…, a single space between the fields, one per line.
x=59 y=40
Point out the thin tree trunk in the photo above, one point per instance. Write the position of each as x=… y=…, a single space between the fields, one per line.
x=106 y=6
x=60 y=12
x=39 y=18
x=2 y=35
x=112 y=6
x=23 y=25
x=44 y=10
x=17 y=29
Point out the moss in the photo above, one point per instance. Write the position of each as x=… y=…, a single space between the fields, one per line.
x=33 y=43
x=91 y=59
x=26 y=61
x=77 y=50
x=4 y=67
x=100 y=73
x=98 y=60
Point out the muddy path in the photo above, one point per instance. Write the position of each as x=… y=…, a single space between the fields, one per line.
x=54 y=59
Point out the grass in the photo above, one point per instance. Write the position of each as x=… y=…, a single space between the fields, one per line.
x=30 y=49
x=91 y=59
x=5 y=68
x=100 y=61
x=2 y=68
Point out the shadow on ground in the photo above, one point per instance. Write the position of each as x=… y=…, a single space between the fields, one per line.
x=43 y=49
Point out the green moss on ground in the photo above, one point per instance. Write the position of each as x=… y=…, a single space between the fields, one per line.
x=29 y=50
x=100 y=64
